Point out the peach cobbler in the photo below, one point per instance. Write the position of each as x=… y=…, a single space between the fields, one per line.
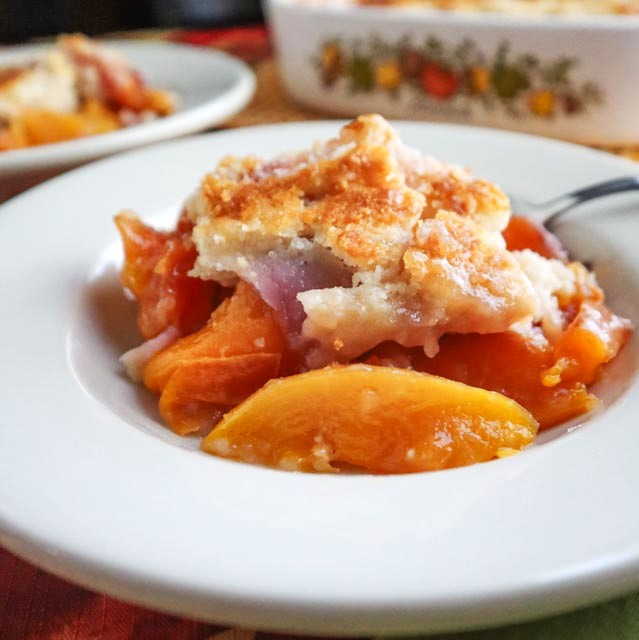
x=361 y=304
x=78 y=88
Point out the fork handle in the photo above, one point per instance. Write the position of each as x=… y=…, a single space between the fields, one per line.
x=553 y=208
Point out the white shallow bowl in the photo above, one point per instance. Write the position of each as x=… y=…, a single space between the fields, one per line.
x=94 y=488
x=210 y=86
x=571 y=77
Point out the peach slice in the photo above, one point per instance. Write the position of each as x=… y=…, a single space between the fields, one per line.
x=155 y=270
x=200 y=389
x=524 y=233
x=382 y=419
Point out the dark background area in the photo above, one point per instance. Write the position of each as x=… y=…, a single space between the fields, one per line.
x=24 y=19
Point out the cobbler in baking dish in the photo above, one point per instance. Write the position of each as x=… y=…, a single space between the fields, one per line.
x=619 y=7
x=77 y=88
x=361 y=304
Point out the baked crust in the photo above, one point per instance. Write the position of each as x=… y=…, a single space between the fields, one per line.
x=367 y=253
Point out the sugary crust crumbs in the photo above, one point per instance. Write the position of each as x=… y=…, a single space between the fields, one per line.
x=469 y=272
x=349 y=194
x=359 y=195
x=453 y=188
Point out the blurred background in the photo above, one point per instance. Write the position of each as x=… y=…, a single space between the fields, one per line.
x=24 y=19
x=544 y=75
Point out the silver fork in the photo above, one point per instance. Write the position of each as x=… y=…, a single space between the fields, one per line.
x=546 y=213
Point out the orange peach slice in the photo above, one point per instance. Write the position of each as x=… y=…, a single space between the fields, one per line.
x=512 y=364
x=382 y=419
x=593 y=338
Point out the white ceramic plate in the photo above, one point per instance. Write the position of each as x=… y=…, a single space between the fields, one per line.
x=332 y=54
x=211 y=86
x=93 y=488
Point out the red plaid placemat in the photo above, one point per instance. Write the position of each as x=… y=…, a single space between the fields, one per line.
x=35 y=605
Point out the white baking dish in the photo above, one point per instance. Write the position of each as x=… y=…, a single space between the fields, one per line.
x=572 y=77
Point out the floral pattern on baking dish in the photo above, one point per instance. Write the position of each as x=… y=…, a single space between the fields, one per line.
x=458 y=76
